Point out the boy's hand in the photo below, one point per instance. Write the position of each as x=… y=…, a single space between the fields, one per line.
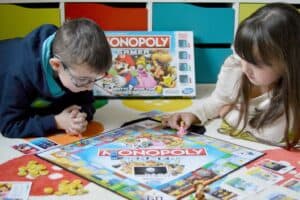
x=71 y=120
x=79 y=124
x=174 y=120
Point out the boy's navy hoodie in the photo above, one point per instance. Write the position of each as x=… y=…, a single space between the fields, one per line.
x=30 y=95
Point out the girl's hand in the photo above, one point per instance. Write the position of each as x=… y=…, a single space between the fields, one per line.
x=174 y=120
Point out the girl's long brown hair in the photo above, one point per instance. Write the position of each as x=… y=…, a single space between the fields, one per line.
x=273 y=34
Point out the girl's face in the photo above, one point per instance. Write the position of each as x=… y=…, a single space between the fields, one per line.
x=260 y=75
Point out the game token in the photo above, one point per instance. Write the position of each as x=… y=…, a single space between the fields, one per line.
x=77 y=181
x=65 y=181
x=22 y=173
x=200 y=188
x=44 y=172
x=22 y=168
x=181 y=132
x=71 y=188
x=72 y=192
x=48 y=190
x=33 y=169
x=58 y=193
x=32 y=162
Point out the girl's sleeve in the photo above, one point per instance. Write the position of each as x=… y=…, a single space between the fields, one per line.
x=225 y=91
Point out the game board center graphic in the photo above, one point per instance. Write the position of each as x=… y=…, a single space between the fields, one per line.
x=164 y=105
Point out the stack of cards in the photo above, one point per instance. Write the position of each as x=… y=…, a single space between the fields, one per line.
x=268 y=179
x=34 y=146
x=14 y=190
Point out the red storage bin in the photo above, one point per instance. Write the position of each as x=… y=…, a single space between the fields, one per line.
x=111 y=17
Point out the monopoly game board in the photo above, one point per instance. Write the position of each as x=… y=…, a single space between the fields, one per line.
x=149 y=63
x=145 y=161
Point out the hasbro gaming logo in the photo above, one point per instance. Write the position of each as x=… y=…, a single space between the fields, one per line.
x=187 y=90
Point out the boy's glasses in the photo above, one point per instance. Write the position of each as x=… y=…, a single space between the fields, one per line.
x=80 y=81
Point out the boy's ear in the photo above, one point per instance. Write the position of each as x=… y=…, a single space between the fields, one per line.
x=55 y=63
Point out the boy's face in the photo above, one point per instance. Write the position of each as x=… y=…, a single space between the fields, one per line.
x=76 y=78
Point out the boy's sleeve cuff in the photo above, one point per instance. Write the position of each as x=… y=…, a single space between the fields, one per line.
x=48 y=124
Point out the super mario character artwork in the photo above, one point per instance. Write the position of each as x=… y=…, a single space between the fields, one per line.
x=149 y=64
x=146 y=161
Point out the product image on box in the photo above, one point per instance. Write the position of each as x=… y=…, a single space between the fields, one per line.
x=143 y=160
x=153 y=64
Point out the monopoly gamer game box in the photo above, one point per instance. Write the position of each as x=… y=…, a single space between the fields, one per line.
x=149 y=64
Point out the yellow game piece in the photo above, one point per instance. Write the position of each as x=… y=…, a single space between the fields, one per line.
x=44 y=172
x=77 y=181
x=72 y=192
x=62 y=187
x=34 y=174
x=80 y=186
x=22 y=168
x=200 y=189
x=32 y=162
x=22 y=173
x=40 y=166
x=71 y=188
x=64 y=181
x=33 y=169
x=58 y=193
x=48 y=190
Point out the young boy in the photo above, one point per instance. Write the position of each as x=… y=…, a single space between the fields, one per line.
x=46 y=78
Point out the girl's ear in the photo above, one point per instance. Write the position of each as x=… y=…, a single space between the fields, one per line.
x=55 y=63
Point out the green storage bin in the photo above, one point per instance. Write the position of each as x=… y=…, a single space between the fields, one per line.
x=211 y=25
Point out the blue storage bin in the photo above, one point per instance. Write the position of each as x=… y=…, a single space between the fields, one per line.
x=208 y=62
x=211 y=25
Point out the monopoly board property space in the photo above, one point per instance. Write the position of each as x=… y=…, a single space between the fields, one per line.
x=153 y=64
x=144 y=160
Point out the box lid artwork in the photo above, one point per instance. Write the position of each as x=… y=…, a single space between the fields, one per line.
x=150 y=64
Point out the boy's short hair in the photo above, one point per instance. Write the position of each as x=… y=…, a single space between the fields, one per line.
x=82 y=41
